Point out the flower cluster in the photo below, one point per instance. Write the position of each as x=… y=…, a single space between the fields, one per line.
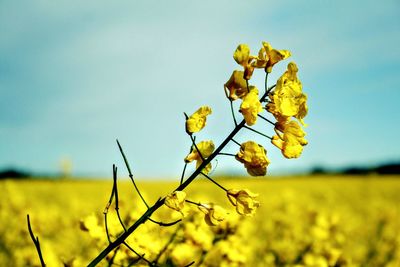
x=284 y=101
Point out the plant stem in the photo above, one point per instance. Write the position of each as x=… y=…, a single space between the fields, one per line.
x=264 y=118
x=35 y=241
x=257 y=132
x=130 y=174
x=212 y=180
x=233 y=112
x=160 y=202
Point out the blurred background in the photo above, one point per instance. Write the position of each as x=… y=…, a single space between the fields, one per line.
x=74 y=77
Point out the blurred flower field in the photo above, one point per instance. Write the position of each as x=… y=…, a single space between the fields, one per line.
x=304 y=221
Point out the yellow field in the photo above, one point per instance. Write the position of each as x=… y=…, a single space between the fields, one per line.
x=337 y=221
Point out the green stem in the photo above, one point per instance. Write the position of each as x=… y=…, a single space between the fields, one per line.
x=233 y=112
x=212 y=180
x=160 y=202
x=35 y=241
x=130 y=174
x=257 y=132
x=264 y=118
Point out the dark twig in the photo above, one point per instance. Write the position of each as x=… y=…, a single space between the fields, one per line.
x=130 y=174
x=227 y=154
x=35 y=241
x=263 y=99
x=167 y=244
x=251 y=129
x=111 y=261
x=236 y=142
x=184 y=167
x=212 y=180
x=233 y=112
x=194 y=143
x=267 y=120
x=266 y=83
x=106 y=226
x=140 y=256
x=105 y=212
x=164 y=224
x=183 y=173
x=116 y=196
x=160 y=202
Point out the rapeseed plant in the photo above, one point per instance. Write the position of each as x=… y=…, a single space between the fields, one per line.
x=284 y=101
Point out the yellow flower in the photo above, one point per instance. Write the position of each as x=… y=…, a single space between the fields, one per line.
x=242 y=57
x=197 y=120
x=288 y=100
x=91 y=225
x=251 y=106
x=214 y=214
x=292 y=142
x=254 y=158
x=183 y=254
x=244 y=201
x=175 y=200
x=236 y=86
x=274 y=56
x=206 y=148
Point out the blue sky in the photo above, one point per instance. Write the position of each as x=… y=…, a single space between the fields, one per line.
x=76 y=76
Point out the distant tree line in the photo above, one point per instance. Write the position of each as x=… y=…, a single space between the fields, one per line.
x=14 y=174
x=387 y=168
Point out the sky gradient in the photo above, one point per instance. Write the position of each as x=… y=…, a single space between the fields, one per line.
x=76 y=76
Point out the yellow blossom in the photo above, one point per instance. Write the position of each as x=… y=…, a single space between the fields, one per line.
x=184 y=253
x=214 y=214
x=206 y=148
x=242 y=56
x=251 y=106
x=292 y=142
x=288 y=100
x=254 y=158
x=244 y=200
x=176 y=200
x=274 y=56
x=91 y=225
x=197 y=120
x=236 y=86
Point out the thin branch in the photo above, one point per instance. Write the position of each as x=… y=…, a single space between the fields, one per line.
x=167 y=244
x=164 y=224
x=120 y=240
x=140 y=256
x=35 y=241
x=266 y=83
x=105 y=212
x=233 y=112
x=183 y=173
x=264 y=118
x=227 y=154
x=111 y=262
x=116 y=196
x=192 y=202
x=194 y=143
x=106 y=226
x=251 y=129
x=130 y=174
x=236 y=142
x=263 y=99
x=212 y=180
x=184 y=167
